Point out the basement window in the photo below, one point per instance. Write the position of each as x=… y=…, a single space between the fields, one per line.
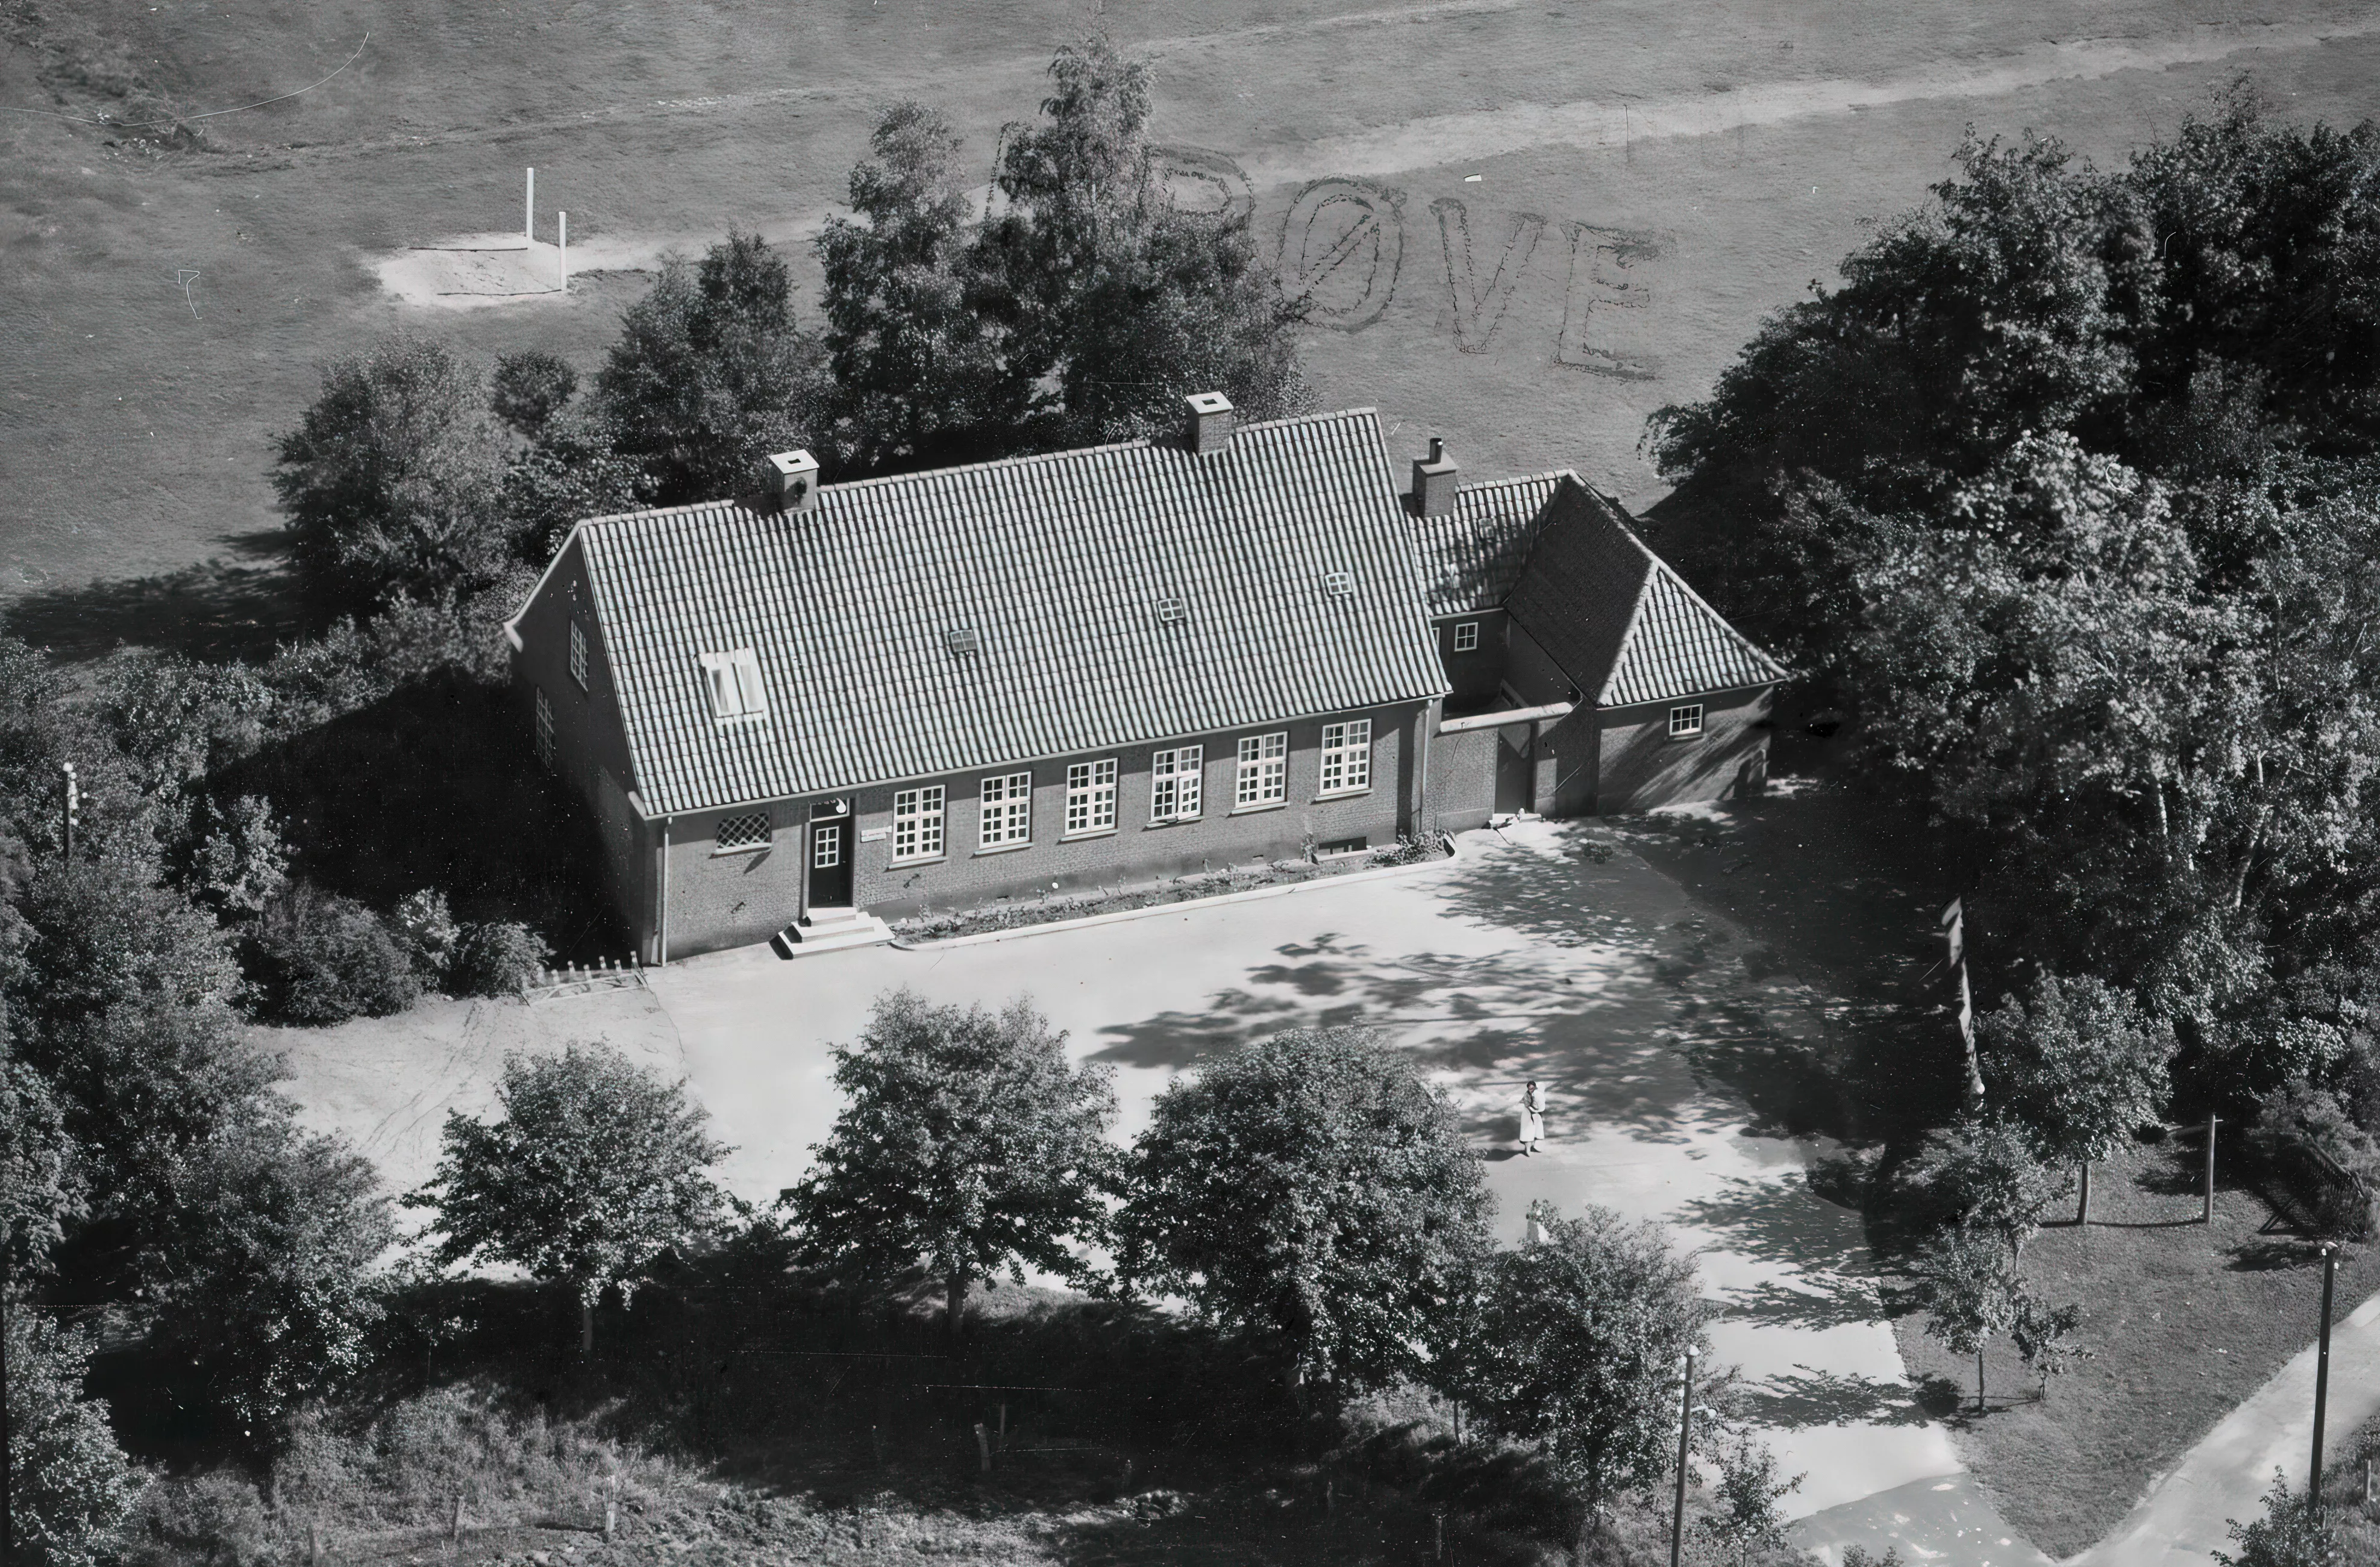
x=738 y=694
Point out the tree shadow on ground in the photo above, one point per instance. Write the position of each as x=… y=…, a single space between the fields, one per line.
x=454 y=801
x=217 y=611
x=1782 y=1218
x=1804 y=1398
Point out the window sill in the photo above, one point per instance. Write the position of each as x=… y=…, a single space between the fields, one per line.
x=1343 y=794
x=1262 y=806
x=1681 y=739
x=1157 y=822
x=914 y=861
x=1003 y=848
x=1087 y=832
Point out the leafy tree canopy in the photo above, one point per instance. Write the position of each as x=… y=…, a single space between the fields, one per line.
x=73 y=1489
x=593 y=1169
x=2079 y=1063
x=967 y=1144
x=1313 y=1188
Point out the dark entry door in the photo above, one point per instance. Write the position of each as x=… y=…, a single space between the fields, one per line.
x=1515 y=769
x=830 y=849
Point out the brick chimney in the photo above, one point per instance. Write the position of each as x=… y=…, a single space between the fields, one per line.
x=1208 y=428
x=789 y=479
x=1433 y=486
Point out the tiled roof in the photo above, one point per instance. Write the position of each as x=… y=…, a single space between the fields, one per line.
x=1470 y=556
x=1058 y=563
x=1619 y=622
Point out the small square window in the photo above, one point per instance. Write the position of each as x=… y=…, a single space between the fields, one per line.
x=1172 y=612
x=1685 y=721
x=1263 y=778
x=1090 y=797
x=578 y=654
x=1339 y=583
x=747 y=832
x=1467 y=637
x=964 y=641
x=737 y=693
x=1007 y=811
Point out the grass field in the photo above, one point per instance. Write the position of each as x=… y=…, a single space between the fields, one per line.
x=1564 y=215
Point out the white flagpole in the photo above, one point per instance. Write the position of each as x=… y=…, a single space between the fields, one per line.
x=529 y=213
x=562 y=253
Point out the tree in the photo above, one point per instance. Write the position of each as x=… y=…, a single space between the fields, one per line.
x=39 y=1190
x=528 y=388
x=1122 y=301
x=106 y=933
x=709 y=375
x=1967 y=1285
x=2081 y=1065
x=1749 y=1489
x=570 y=471
x=390 y=479
x=2292 y=1533
x=2043 y=1335
x=915 y=324
x=1313 y=1189
x=594 y=1169
x=966 y=1144
x=72 y=1491
x=321 y=958
x=1582 y=1336
x=240 y=864
x=1983 y=1173
x=259 y=1271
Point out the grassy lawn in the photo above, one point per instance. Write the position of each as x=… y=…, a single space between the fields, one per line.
x=2183 y=1321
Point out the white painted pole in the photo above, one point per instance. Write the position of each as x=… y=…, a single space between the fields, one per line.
x=562 y=254
x=529 y=213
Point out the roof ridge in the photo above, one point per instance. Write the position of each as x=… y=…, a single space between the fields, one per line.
x=688 y=508
x=1552 y=473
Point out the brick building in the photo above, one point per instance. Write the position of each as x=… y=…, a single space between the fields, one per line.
x=932 y=690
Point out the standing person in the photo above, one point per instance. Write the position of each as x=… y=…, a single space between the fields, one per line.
x=1533 y=1118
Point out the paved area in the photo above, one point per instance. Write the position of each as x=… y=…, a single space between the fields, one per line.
x=1524 y=958
x=2186 y=1516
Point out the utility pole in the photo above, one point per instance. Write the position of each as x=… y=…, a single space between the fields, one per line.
x=1685 y=1440
x=2207 y=1204
x=2322 y=1374
x=73 y=813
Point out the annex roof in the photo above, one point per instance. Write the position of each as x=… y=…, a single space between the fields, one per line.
x=1470 y=556
x=1115 y=594
x=1622 y=624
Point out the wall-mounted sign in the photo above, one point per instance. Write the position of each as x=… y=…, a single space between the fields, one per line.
x=870 y=834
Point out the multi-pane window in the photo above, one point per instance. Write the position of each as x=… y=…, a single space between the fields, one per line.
x=578 y=654
x=747 y=832
x=918 y=823
x=1090 y=797
x=1263 y=778
x=1007 y=810
x=1174 y=779
x=544 y=728
x=1685 y=721
x=826 y=844
x=1347 y=757
x=1467 y=637
x=737 y=695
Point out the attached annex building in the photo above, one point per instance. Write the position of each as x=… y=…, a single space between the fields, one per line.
x=936 y=689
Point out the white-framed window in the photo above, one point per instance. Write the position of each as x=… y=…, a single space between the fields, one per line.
x=578 y=653
x=1090 y=797
x=918 y=823
x=736 y=833
x=826 y=844
x=1263 y=777
x=544 y=728
x=1467 y=637
x=1685 y=721
x=1007 y=811
x=1174 y=783
x=738 y=694
x=1347 y=757
x=1339 y=584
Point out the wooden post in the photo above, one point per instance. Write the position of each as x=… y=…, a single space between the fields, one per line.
x=313 y=1544
x=1686 y=1443
x=983 y=1445
x=455 y=1521
x=1004 y=1427
x=2207 y=1204
x=1329 y=1499
x=2083 y=1216
x=562 y=253
x=1437 y=1525
x=2322 y=1374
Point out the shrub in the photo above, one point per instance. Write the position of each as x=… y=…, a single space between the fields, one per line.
x=2305 y=1135
x=323 y=958
x=425 y=927
x=494 y=958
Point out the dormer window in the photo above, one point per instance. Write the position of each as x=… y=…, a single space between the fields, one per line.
x=964 y=641
x=733 y=679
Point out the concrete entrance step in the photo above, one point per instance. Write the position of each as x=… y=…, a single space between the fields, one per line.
x=830 y=930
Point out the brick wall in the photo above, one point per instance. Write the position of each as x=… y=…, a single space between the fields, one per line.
x=1639 y=766
x=1476 y=675
x=1462 y=780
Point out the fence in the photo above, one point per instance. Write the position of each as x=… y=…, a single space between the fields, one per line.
x=572 y=980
